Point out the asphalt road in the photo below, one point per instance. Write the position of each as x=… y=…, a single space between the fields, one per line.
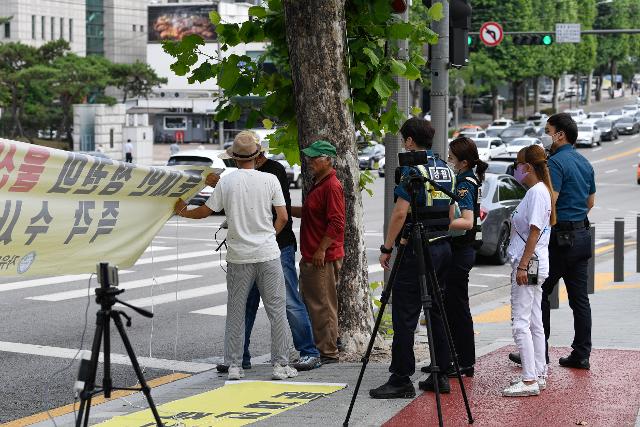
x=182 y=281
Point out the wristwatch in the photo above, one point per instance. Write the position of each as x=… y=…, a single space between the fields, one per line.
x=385 y=250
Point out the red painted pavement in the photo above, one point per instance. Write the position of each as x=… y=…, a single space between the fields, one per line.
x=607 y=395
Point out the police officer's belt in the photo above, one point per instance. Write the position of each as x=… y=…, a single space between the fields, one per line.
x=570 y=225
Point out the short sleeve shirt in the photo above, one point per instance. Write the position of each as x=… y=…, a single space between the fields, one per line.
x=465 y=190
x=247 y=197
x=573 y=178
x=534 y=209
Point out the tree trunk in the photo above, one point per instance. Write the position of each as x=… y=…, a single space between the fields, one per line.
x=556 y=83
x=599 y=87
x=536 y=94
x=514 y=88
x=416 y=92
x=495 y=107
x=317 y=55
x=588 y=90
x=525 y=91
x=614 y=82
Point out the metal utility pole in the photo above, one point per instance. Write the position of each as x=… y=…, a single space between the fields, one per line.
x=440 y=82
x=393 y=142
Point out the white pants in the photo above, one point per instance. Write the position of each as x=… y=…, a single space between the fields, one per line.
x=527 y=329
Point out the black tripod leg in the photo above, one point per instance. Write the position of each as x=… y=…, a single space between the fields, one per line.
x=445 y=321
x=136 y=367
x=89 y=384
x=384 y=299
x=427 y=304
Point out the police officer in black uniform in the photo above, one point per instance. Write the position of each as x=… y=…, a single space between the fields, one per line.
x=435 y=211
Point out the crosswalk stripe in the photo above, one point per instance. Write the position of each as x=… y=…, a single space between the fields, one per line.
x=182 y=295
x=196 y=267
x=177 y=258
x=56 y=280
x=120 y=359
x=217 y=310
x=79 y=293
x=155 y=248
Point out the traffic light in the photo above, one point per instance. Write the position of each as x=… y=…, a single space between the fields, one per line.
x=473 y=43
x=459 y=25
x=533 y=40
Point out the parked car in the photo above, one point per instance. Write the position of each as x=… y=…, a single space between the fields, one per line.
x=370 y=155
x=494 y=132
x=501 y=194
x=578 y=114
x=501 y=166
x=608 y=131
x=381 y=167
x=517 y=131
x=615 y=114
x=501 y=124
x=588 y=134
x=467 y=128
x=294 y=173
x=473 y=134
x=517 y=144
x=546 y=96
x=627 y=126
x=594 y=116
x=203 y=158
x=490 y=148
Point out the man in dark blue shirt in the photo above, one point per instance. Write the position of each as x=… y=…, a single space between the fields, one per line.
x=574 y=191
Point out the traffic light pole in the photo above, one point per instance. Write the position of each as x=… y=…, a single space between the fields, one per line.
x=440 y=82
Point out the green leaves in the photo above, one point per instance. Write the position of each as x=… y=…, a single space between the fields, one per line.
x=435 y=12
x=257 y=11
x=400 y=30
x=229 y=73
x=398 y=68
x=373 y=58
x=214 y=17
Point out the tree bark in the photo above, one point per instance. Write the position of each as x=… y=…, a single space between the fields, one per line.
x=599 y=87
x=556 y=83
x=614 y=82
x=588 y=90
x=495 y=107
x=317 y=55
x=536 y=94
x=514 y=88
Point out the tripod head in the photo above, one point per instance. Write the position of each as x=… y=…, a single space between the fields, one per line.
x=106 y=294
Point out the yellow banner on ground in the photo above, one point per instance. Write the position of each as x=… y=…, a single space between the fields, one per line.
x=238 y=403
x=63 y=212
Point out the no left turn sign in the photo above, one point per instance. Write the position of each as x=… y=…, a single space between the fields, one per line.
x=491 y=34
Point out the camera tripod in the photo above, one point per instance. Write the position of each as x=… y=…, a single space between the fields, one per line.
x=414 y=233
x=106 y=297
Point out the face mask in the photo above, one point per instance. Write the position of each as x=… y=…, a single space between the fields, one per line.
x=453 y=167
x=519 y=174
x=554 y=140
x=546 y=141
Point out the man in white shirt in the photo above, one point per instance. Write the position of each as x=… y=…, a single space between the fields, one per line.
x=247 y=197
x=128 y=151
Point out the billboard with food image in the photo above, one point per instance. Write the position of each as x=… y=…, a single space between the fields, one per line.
x=177 y=21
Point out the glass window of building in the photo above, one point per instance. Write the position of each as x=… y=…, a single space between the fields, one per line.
x=42 y=27
x=53 y=28
x=70 y=29
x=7 y=30
x=62 y=28
x=33 y=27
x=95 y=27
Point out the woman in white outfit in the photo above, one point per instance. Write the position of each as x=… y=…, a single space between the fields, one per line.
x=528 y=251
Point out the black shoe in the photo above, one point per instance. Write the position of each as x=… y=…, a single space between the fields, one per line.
x=390 y=391
x=328 y=360
x=223 y=369
x=515 y=358
x=573 y=362
x=443 y=384
x=467 y=371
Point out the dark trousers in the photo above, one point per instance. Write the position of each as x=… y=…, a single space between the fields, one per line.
x=406 y=309
x=456 y=303
x=570 y=264
x=128 y=157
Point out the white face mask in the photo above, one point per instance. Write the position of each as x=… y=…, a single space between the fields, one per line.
x=453 y=166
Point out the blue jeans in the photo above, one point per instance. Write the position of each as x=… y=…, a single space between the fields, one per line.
x=297 y=314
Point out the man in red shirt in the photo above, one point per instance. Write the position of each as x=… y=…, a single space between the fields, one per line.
x=322 y=247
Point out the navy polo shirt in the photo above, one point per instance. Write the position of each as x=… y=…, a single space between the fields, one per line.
x=573 y=178
x=465 y=190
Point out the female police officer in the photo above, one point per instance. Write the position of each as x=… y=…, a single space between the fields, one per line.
x=463 y=158
x=434 y=211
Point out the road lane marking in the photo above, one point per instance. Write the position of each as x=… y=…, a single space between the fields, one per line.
x=494 y=275
x=56 y=280
x=217 y=310
x=478 y=286
x=95 y=400
x=181 y=295
x=142 y=283
x=155 y=248
x=611 y=171
x=618 y=142
x=120 y=359
x=596 y=149
x=178 y=257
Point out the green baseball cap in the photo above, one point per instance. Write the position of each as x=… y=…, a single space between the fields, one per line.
x=320 y=148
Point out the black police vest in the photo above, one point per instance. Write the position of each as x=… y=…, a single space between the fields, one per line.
x=434 y=213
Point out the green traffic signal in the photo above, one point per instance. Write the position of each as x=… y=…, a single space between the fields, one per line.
x=469 y=40
x=547 y=40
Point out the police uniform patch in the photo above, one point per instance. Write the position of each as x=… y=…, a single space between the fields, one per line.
x=462 y=192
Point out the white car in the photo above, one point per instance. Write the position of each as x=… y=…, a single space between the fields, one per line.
x=630 y=110
x=294 y=173
x=500 y=124
x=538 y=119
x=588 y=134
x=519 y=143
x=449 y=116
x=473 y=134
x=490 y=148
x=595 y=116
x=578 y=114
x=615 y=114
x=381 y=167
x=203 y=158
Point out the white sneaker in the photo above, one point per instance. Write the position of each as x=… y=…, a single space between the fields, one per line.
x=542 y=382
x=283 y=372
x=521 y=389
x=235 y=373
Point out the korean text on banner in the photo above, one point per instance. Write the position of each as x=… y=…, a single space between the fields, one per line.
x=63 y=212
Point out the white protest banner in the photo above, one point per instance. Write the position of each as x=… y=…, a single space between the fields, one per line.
x=63 y=212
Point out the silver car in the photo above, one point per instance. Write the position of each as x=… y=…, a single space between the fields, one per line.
x=501 y=194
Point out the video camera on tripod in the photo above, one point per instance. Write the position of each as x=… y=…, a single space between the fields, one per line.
x=412 y=160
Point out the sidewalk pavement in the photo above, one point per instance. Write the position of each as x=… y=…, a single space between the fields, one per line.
x=607 y=395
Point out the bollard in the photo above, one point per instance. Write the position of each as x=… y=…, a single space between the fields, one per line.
x=591 y=268
x=638 y=244
x=618 y=250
